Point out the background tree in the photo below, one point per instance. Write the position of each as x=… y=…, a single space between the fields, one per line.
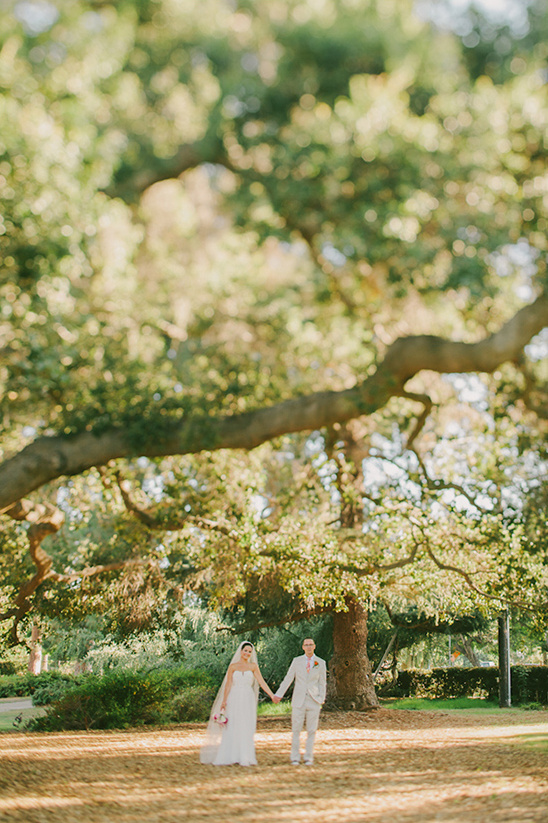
x=361 y=212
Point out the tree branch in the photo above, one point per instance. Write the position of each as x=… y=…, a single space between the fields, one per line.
x=51 y=457
x=46 y=519
x=155 y=520
x=468 y=579
x=371 y=568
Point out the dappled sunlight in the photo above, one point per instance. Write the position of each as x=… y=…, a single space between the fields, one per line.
x=370 y=767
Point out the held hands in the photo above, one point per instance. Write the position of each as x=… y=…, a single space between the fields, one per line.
x=276 y=699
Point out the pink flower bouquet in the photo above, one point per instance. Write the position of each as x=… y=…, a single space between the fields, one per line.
x=220 y=718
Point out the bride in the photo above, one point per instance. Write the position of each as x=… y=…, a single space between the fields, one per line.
x=233 y=718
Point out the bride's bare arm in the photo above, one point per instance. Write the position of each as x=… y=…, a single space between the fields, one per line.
x=228 y=686
x=262 y=682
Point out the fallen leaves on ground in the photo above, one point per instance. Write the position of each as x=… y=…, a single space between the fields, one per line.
x=381 y=766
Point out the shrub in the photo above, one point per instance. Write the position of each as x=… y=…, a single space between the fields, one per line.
x=27 y=684
x=53 y=688
x=192 y=703
x=120 y=699
x=529 y=684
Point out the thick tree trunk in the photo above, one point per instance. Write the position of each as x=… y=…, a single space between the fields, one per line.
x=351 y=683
x=467 y=648
x=35 y=659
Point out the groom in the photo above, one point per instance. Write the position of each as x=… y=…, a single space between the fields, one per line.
x=309 y=674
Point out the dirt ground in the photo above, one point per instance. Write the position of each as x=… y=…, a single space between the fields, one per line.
x=385 y=766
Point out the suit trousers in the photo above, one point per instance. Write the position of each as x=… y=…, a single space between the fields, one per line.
x=309 y=712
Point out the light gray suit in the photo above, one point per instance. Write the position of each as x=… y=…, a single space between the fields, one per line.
x=306 y=703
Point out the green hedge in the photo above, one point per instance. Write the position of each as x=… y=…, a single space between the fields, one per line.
x=25 y=685
x=121 y=699
x=529 y=684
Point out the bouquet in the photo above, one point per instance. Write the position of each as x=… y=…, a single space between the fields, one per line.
x=220 y=718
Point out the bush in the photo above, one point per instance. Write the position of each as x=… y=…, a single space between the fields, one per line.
x=53 y=688
x=192 y=703
x=529 y=684
x=25 y=685
x=120 y=699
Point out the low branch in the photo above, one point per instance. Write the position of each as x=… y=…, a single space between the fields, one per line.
x=46 y=519
x=437 y=485
x=421 y=419
x=51 y=457
x=131 y=186
x=156 y=520
x=371 y=568
x=294 y=617
x=468 y=579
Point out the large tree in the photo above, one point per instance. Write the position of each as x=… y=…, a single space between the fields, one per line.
x=223 y=225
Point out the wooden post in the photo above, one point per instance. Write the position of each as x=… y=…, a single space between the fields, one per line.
x=505 y=699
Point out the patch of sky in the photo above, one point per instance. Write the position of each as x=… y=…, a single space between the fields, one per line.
x=93 y=22
x=511 y=499
x=455 y=16
x=537 y=348
x=333 y=255
x=261 y=504
x=380 y=472
x=154 y=487
x=314 y=445
x=36 y=17
x=469 y=389
x=517 y=258
x=63 y=502
x=383 y=447
x=455 y=500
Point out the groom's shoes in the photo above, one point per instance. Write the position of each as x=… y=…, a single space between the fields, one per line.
x=295 y=762
x=308 y=763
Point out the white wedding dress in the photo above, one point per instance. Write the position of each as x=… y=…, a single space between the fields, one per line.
x=237 y=742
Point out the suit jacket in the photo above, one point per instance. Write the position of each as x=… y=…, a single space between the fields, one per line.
x=313 y=683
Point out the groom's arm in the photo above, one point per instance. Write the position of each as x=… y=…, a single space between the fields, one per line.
x=286 y=682
x=323 y=681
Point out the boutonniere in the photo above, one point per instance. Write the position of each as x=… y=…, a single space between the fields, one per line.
x=315 y=664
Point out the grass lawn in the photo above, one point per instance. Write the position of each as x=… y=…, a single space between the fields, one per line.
x=274 y=709
x=439 y=704
x=8 y=718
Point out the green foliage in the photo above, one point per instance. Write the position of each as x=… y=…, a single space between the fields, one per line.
x=529 y=684
x=192 y=703
x=41 y=685
x=204 y=214
x=53 y=688
x=121 y=699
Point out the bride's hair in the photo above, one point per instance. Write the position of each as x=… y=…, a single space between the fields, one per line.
x=246 y=643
